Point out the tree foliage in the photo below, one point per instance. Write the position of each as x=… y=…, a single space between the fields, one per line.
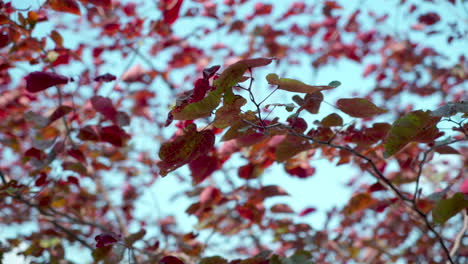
x=101 y=100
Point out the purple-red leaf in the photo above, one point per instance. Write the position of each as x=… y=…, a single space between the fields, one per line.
x=185 y=148
x=307 y=211
x=170 y=260
x=39 y=81
x=114 y=135
x=104 y=106
x=59 y=112
x=429 y=18
x=106 y=239
x=105 y=78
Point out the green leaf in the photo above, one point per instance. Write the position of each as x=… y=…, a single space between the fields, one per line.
x=332 y=120
x=234 y=73
x=359 y=107
x=184 y=149
x=334 y=84
x=295 y=86
x=300 y=257
x=407 y=128
x=446 y=209
x=200 y=109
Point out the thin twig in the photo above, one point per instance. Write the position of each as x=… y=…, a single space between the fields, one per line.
x=423 y=161
x=460 y=235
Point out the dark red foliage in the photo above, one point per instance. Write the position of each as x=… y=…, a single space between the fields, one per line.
x=106 y=239
x=429 y=18
x=170 y=260
x=171 y=10
x=105 y=78
x=39 y=81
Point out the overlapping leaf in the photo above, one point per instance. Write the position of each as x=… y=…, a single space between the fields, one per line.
x=406 y=129
x=184 y=149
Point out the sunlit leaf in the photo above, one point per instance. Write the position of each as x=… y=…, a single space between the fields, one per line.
x=68 y=6
x=359 y=107
x=295 y=86
x=358 y=203
x=405 y=129
x=200 y=109
x=446 y=209
x=184 y=149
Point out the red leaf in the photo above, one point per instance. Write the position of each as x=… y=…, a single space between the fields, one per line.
x=41 y=180
x=376 y=187
x=171 y=10
x=307 y=211
x=369 y=69
x=106 y=239
x=114 y=135
x=102 y=3
x=74 y=180
x=104 y=106
x=248 y=171
x=209 y=72
x=301 y=172
x=185 y=148
x=77 y=154
x=464 y=187
x=210 y=194
x=203 y=167
x=359 y=107
x=170 y=260
x=68 y=6
x=261 y=9
x=105 y=78
x=281 y=208
x=35 y=153
x=429 y=18
x=39 y=81
x=88 y=133
x=59 y=112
